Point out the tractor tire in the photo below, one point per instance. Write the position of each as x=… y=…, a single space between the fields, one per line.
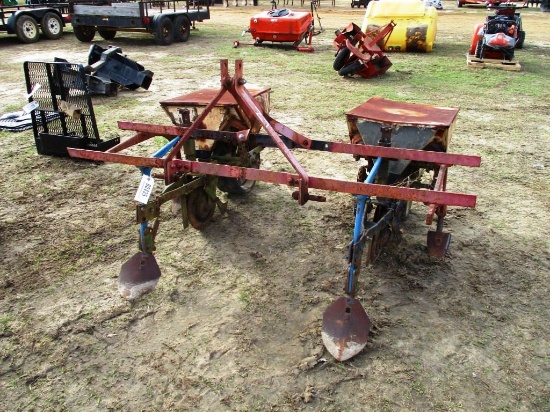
x=164 y=34
x=52 y=26
x=84 y=33
x=182 y=29
x=509 y=55
x=350 y=68
x=475 y=38
x=107 y=34
x=340 y=59
x=479 y=49
x=458 y=3
x=521 y=39
x=27 y=30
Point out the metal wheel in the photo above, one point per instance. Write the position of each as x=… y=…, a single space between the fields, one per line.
x=26 y=29
x=200 y=208
x=230 y=185
x=182 y=29
x=84 y=33
x=107 y=34
x=52 y=26
x=165 y=32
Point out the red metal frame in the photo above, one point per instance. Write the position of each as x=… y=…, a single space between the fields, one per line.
x=365 y=48
x=173 y=165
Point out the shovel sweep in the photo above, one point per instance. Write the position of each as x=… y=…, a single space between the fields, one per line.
x=138 y=276
x=346 y=327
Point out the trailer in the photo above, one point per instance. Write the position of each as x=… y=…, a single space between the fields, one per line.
x=168 y=21
x=26 y=22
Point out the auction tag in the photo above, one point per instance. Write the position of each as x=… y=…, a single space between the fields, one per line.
x=145 y=189
x=29 y=107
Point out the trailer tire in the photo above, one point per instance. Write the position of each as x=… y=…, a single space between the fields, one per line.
x=27 y=29
x=350 y=68
x=84 y=33
x=182 y=29
x=52 y=26
x=340 y=59
x=164 y=33
x=107 y=34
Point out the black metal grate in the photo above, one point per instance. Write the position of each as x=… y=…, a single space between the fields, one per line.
x=62 y=89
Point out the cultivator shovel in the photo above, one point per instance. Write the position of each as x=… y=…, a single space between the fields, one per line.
x=215 y=144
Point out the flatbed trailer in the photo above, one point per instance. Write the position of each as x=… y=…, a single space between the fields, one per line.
x=27 y=21
x=168 y=21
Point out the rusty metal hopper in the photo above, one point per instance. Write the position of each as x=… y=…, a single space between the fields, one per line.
x=415 y=126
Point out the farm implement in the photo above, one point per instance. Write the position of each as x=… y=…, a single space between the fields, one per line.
x=284 y=26
x=216 y=144
x=360 y=53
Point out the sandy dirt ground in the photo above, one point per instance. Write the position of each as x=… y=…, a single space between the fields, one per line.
x=235 y=322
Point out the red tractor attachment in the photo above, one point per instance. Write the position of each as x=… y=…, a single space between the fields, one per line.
x=361 y=53
x=284 y=26
x=404 y=146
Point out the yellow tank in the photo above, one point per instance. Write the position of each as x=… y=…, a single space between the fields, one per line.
x=416 y=24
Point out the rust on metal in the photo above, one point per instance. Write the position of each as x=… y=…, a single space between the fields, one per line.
x=189 y=162
x=205 y=96
x=346 y=328
x=334 y=185
x=393 y=112
x=138 y=276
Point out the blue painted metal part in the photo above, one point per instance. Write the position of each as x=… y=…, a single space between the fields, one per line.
x=160 y=153
x=147 y=171
x=359 y=218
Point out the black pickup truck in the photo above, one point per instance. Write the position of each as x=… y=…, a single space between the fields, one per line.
x=169 y=21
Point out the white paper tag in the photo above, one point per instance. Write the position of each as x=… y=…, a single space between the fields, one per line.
x=29 y=107
x=145 y=189
x=34 y=90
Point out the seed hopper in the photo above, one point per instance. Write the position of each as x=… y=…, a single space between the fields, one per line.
x=216 y=143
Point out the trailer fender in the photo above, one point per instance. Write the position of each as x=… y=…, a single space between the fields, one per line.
x=36 y=14
x=157 y=18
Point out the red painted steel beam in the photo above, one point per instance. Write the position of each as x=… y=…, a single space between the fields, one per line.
x=132 y=141
x=358 y=188
x=156 y=129
x=116 y=158
x=440 y=158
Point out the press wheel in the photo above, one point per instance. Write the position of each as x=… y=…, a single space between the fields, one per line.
x=200 y=208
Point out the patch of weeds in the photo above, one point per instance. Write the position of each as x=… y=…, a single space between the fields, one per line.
x=5 y=327
x=418 y=387
x=244 y=297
